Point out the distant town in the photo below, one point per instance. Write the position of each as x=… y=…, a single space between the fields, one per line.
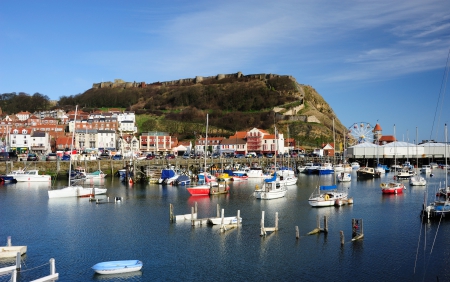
x=114 y=132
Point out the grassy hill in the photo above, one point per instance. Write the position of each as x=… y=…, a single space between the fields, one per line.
x=234 y=103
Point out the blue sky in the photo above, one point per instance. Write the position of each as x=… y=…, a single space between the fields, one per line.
x=372 y=61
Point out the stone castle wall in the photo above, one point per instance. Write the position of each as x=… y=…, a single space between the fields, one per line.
x=119 y=83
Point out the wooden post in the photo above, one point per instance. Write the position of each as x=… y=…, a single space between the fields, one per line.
x=297 y=233
x=318 y=221
x=238 y=217
x=52 y=266
x=18 y=265
x=276 y=221
x=218 y=210
x=263 y=232
x=192 y=216
x=325 y=224
x=171 y=213
x=8 y=241
x=14 y=276
x=196 y=207
x=342 y=237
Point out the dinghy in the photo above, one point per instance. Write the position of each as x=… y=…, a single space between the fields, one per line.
x=115 y=267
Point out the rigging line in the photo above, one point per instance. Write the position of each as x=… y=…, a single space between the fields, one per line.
x=418 y=243
x=443 y=86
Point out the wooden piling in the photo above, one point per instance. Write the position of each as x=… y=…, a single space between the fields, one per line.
x=192 y=216
x=218 y=210
x=342 y=237
x=171 y=217
x=238 y=217
x=325 y=224
x=297 y=233
x=263 y=232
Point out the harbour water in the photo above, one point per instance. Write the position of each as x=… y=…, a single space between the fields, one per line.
x=78 y=233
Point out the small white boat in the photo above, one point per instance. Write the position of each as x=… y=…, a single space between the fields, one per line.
x=344 y=177
x=417 y=180
x=75 y=191
x=226 y=220
x=425 y=169
x=355 y=165
x=116 y=267
x=31 y=175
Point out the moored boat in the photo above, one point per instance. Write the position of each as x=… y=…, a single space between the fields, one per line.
x=116 y=267
x=326 y=196
x=392 y=187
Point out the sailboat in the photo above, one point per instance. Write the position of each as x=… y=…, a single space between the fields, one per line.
x=75 y=190
x=440 y=207
x=393 y=187
x=272 y=188
x=417 y=180
x=327 y=195
x=207 y=186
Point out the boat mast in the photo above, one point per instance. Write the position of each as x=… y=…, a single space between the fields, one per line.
x=71 y=145
x=206 y=140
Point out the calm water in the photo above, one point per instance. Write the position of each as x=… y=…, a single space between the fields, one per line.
x=79 y=234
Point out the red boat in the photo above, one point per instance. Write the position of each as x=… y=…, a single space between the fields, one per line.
x=392 y=188
x=199 y=190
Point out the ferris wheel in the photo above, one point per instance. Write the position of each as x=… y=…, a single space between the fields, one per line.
x=360 y=132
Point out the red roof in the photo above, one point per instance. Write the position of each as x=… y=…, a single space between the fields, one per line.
x=377 y=127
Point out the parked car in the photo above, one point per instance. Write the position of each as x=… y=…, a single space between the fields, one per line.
x=51 y=157
x=239 y=156
x=117 y=157
x=149 y=157
x=170 y=157
x=32 y=157
x=186 y=156
x=65 y=158
x=215 y=156
x=4 y=156
x=104 y=156
x=269 y=155
x=259 y=155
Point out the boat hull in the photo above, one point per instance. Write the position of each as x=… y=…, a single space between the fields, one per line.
x=226 y=220
x=116 y=267
x=75 y=191
x=199 y=190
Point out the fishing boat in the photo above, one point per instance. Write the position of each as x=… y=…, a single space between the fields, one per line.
x=75 y=190
x=367 y=172
x=271 y=189
x=29 y=175
x=116 y=267
x=183 y=180
x=168 y=176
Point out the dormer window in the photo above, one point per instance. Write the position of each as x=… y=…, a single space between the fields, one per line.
x=15 y=131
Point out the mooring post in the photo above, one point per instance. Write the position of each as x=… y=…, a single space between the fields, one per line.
x=218 y=210
x=238 y=218
x=353 y=228
x=222 y=216
x=263 y=232
x=192 y=216
x=52 y=266
x=170 y=212
x=18 y=264
x=8 y=241
x=318 y=221
x=297 y=233
x=196 y=207
x=325 y=224
x=362 y=226
x=276 y=221
x=14 y=276
x=342 y=237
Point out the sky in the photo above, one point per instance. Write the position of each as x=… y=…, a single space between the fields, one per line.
x=373 y=61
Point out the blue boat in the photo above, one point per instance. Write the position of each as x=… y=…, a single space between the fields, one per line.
x=8 y=179
x=183 y=180
x=116 y=267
